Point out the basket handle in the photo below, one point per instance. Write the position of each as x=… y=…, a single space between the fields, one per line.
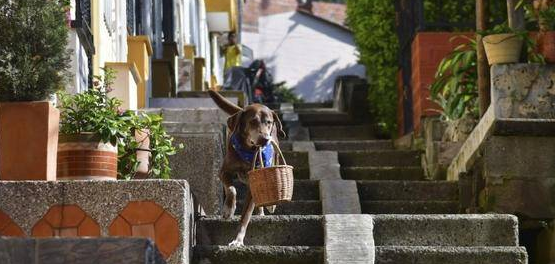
x=280 y=154
x=259 y=156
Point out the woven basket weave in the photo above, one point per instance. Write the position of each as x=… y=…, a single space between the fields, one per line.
x=271 y=185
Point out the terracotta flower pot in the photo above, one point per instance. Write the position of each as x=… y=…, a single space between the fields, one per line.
x=502 y=48
x=143 y=153
x=85 y=157
x=28 y=141
x=547 y=46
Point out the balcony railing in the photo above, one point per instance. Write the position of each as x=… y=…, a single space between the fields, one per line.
x=81 y=24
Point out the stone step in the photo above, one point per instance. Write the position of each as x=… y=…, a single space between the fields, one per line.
x=327 y=118
x=409 y=207
x=313 y=106
x=338 y=132
x=299 y=160
x=286 y=145
x=258 y=255
x=415 y=173
x=353 y=145
x=452 y=255
x=275 y=230
x=446 y=230
x=382 y=158
x=304 y=207
x=302 y=190
x=408 y=190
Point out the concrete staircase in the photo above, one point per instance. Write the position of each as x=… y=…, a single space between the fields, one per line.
x=270 y=239
x=414 y=220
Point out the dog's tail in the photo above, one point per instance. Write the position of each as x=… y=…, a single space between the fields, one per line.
x=223 y=103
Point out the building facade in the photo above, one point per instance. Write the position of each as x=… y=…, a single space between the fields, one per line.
x=157 y=47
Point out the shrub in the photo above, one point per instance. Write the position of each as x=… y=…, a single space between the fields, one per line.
x=285 y=94
x=373 y=26
x=33 y=54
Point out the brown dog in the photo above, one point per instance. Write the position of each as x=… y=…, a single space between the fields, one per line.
x=252 y=127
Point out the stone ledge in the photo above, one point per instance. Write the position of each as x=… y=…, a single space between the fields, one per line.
x=27 y=202
x=79 y=250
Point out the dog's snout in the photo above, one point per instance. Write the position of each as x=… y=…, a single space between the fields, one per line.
x=263 y=140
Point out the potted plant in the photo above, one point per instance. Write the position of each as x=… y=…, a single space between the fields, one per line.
x=502 y=44
x=33 y=64
x=91 y=127
x=542 y=13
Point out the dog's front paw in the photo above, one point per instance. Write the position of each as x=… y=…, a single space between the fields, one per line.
x=236 y=243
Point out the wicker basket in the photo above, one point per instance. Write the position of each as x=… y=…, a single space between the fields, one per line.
x=271 y=185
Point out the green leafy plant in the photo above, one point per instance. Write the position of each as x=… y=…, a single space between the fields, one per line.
x=541 y=13
x=374 y=28
x=285 y=94
x=33 y=49
x=455 y=86
x=161 y=146
x=93 y=111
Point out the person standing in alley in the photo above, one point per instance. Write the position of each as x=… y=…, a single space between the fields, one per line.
x=232 y=52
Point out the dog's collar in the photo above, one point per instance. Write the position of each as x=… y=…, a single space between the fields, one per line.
x=248 y=155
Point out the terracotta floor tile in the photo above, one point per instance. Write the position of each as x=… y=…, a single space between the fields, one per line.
x=54 y=216
x=119 y=227
x=4 y=220
x=88 y=228
x=66 y=232
x=42 y=229
x=12 y=230
x=72 y=215
x=167 y=234
x=141 y=212
x=146 y=230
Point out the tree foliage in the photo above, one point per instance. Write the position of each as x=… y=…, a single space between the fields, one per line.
x=373 y=26
x=33 y=54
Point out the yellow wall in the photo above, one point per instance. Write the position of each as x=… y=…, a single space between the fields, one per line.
x=229 y=6
x=139 y=51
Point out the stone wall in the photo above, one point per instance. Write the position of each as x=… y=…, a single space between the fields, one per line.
x=202 y=131
x=159 y=209
x=79 y=250
x=506 y=165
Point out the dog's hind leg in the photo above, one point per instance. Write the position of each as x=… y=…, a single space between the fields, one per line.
x=245 y=219
x=271 y=209
x=260 y=211
x=230 y=202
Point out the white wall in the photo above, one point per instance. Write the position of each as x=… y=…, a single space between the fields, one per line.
x=79 y=65
x=305 y=52
x=113 y=32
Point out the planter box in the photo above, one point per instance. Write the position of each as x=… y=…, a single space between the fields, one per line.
x=28 y=141
x=85 y=157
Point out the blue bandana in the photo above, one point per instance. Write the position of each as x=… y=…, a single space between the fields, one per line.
x=247 y=155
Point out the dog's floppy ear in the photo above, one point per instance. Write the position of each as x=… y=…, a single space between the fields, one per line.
x=279 y=126
x=234 y=121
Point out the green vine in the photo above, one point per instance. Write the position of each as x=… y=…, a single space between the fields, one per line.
x=373 y=26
